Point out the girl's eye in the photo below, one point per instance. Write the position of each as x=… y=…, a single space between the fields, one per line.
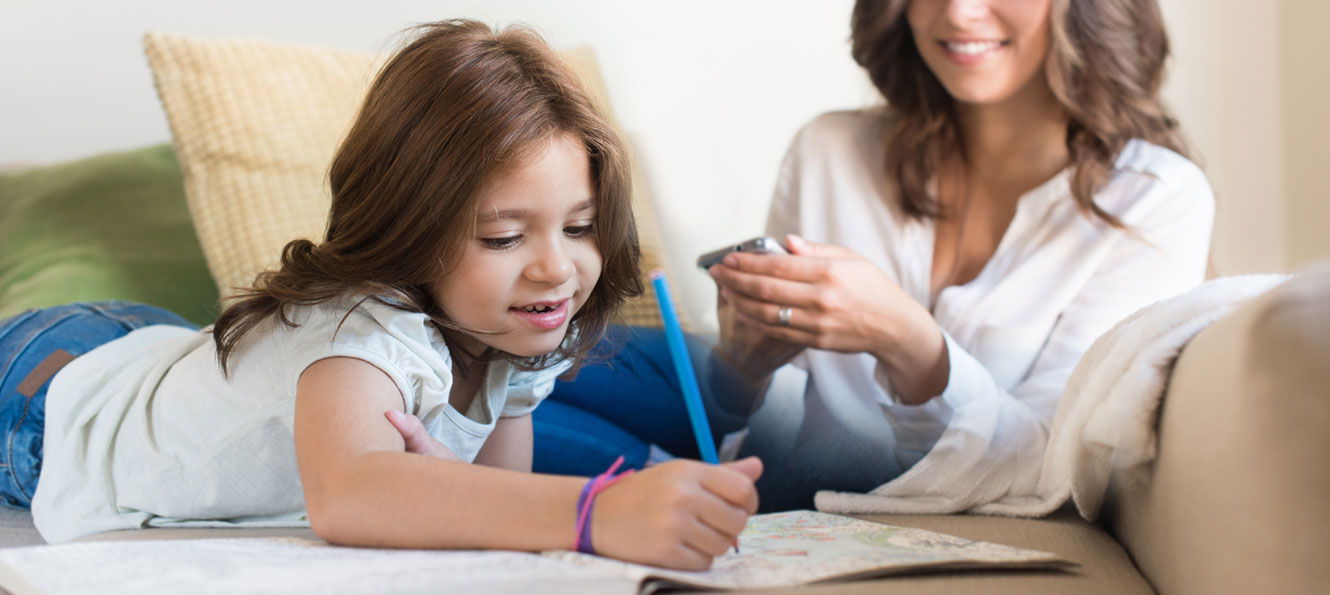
x=577 y=231
x=502 y=243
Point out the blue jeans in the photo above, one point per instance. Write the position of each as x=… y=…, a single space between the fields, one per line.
x=34 y=346
x=624 y=400
x=631 y=399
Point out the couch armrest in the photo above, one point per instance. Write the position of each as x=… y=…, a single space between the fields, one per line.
x=1238 y=500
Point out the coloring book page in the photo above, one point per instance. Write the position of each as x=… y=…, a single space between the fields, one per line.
x=775 y=550
x=800 y=547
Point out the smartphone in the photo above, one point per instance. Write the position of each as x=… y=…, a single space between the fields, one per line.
x=762 y=245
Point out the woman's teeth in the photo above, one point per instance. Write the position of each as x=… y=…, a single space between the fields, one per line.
x=972 y=48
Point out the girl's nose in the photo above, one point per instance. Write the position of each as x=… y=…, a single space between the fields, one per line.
x=551 y=265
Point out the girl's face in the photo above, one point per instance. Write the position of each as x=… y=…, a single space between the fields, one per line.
x=983 y=51
x=533 y=259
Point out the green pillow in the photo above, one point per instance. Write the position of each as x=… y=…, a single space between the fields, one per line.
x=112 y=226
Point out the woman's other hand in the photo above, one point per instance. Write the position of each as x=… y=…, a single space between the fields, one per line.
x=745 y=342
x=838 y=301
x=679 y=514
x=744 y=359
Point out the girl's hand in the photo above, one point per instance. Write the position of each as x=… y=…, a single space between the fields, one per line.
x=417 y=439
x=679 y=514
x=837 y=301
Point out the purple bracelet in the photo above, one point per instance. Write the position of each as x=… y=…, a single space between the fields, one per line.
x=584 y=535
x=587 y=500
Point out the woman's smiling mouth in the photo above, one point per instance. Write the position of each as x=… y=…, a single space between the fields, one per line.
x=971 y=51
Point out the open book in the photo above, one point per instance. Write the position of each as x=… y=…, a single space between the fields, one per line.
x=776 y=550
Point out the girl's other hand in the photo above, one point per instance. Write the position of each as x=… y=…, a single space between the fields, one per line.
x=417 y=439
x=679 y=514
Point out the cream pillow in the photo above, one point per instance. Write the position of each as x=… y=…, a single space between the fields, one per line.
x=255 y=125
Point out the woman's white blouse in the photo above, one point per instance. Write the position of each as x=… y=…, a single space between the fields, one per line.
x=1057 y=280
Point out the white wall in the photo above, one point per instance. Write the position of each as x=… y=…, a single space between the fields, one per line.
x=1224 y=86
x=1306 y=125
x=710 y=92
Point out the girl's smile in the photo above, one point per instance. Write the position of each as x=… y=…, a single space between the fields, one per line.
x=544 y=315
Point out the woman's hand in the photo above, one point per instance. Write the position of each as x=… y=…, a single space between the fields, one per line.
x=745 y=357
x=417 y=439
x=837 y=301
x=679 y=514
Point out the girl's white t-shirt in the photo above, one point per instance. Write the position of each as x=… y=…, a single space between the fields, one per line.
x=1056 y=282
x=146 y=431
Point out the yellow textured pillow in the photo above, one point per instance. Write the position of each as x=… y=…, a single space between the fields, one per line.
x=255 y=125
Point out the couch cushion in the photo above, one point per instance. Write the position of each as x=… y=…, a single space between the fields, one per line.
x=1102 y=565
x=256 y=124
x=1237 y=500
x=113 y=226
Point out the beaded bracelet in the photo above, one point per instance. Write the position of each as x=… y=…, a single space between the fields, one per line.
x=593 y=487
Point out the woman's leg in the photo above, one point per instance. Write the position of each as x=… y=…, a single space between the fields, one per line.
x=570 y=441
x=34 y=346
x=843 y=445
x=628 y=398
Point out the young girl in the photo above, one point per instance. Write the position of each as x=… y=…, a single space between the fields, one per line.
x=479 y=240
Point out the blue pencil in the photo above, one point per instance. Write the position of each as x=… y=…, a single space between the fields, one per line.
x=683 y=365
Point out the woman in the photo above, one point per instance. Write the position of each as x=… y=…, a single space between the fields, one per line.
x=954 y=254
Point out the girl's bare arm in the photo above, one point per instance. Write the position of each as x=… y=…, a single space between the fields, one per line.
x=362 y=488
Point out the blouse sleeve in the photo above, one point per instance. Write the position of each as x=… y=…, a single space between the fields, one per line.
x=783 y=214
x=990 y=442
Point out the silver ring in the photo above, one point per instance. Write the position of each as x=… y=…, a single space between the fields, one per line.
x=783 y=316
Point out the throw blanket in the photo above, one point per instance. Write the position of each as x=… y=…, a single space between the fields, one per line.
x=1105 y=422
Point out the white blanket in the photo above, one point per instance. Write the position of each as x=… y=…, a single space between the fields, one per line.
x=1105 y=422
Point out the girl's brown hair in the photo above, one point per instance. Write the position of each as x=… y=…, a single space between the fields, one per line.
x=1105 y=65
x=459 y=106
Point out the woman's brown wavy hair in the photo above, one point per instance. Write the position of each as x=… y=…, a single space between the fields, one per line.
x=457 y=107
x=1105 y=65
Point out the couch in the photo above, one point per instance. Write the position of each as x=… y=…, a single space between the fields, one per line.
x=1233 y=503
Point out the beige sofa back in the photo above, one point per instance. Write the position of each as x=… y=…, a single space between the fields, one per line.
x=1239 y=499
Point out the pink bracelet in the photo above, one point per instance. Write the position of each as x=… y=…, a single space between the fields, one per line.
x=593 y=487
